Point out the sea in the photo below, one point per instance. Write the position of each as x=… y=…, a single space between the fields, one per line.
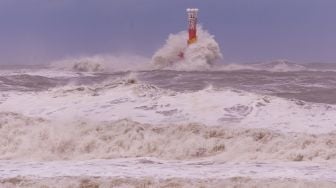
x=238 y=125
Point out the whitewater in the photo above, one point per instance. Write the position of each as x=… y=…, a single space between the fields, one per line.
x=130 y=121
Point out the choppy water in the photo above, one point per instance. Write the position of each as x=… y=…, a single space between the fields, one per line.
x=268 y=127
x=311 y=86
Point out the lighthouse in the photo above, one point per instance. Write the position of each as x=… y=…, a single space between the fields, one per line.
x=192 y=28
x=192 y=25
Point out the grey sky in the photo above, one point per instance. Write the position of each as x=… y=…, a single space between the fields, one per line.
x=37 y=31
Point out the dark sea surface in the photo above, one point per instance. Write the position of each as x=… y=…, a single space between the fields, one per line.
x=311 y=86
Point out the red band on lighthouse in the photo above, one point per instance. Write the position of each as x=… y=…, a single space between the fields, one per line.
x=192 y=24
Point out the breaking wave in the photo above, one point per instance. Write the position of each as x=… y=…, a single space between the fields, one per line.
x=103 y=63
x=201 y=55
x=129 y=98
x=280 y=65
x=273 y=66
x=198 y=56
x=27 y=138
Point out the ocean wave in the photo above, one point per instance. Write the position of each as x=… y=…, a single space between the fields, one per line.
x=102 y=63
x=272 y=66
x=177 y=55
x=129 y=98
x=199 y=56
x=280 y=65
x=90 y=182
x=127 y=83
x=24 y=138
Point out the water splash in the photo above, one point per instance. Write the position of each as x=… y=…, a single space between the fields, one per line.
x=102 y=63
x=199 y=56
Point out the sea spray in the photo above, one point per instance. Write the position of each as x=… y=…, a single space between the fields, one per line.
x=198 y=56
x=102 y=63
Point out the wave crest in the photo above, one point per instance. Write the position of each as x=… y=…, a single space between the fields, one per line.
x=102 y=63
x=34 y=138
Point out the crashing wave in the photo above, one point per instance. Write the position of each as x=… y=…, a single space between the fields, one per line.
x=127 y=83
x=27 y=138
x=280 y=66
x=273 y=66
x=128 y=98
x=198 y=56
x=102 y=63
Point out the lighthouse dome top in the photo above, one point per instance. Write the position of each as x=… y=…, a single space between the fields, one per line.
x=192 y=9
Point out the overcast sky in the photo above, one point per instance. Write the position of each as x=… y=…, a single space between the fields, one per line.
x=37 y=31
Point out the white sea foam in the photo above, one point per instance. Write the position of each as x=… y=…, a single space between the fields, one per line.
x=218 y=136
x=198 y=56
x=272 y=66
x=150 y=182
x=23 y=138
x=149 y=172
x=127 y=98
x=39 y=72
x=127 y=118
x=102 y=63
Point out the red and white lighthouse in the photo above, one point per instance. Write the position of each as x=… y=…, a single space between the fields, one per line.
x=192 y=25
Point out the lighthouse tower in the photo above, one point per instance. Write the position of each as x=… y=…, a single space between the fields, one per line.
x=192 y=25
